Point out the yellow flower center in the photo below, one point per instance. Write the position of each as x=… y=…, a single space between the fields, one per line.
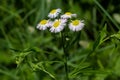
x=68 y=13
x=43 y=22
x=56 y=24
x=53 y=11
x=76 y=22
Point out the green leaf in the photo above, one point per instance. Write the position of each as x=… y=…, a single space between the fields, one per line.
x=100 y=38
x=107 y=14
x=45 y=67
x=21 y=57
x=8 y=73
x=117 y=35
x=117 y=67
x=78 y=69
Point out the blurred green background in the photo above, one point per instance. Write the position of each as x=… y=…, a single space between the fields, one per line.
x=22 y=43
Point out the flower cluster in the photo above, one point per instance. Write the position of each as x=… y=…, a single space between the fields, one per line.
x=57 y=22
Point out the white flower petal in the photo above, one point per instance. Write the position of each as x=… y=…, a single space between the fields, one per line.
x=54 y=13
x=76 y=25
x=68 y=15
x=43 y=25
x=57 y=26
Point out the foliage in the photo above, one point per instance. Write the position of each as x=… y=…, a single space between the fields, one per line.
x=29 y=54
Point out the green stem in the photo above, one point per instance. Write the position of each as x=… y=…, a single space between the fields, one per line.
x=66 y=68
x=65 y=54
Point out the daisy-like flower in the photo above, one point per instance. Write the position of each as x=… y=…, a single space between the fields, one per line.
x=76 y=25
x=54 y=13
x=43 y=25
x=68 y=15
x=58 y=25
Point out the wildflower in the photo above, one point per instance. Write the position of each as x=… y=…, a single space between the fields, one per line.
x=54 y=13
x=57 y=26
x=76 y=25
x=68 y=15
x=43 y=25
x=50 y=23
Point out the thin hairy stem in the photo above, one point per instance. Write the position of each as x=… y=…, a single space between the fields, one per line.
x=65 y=55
